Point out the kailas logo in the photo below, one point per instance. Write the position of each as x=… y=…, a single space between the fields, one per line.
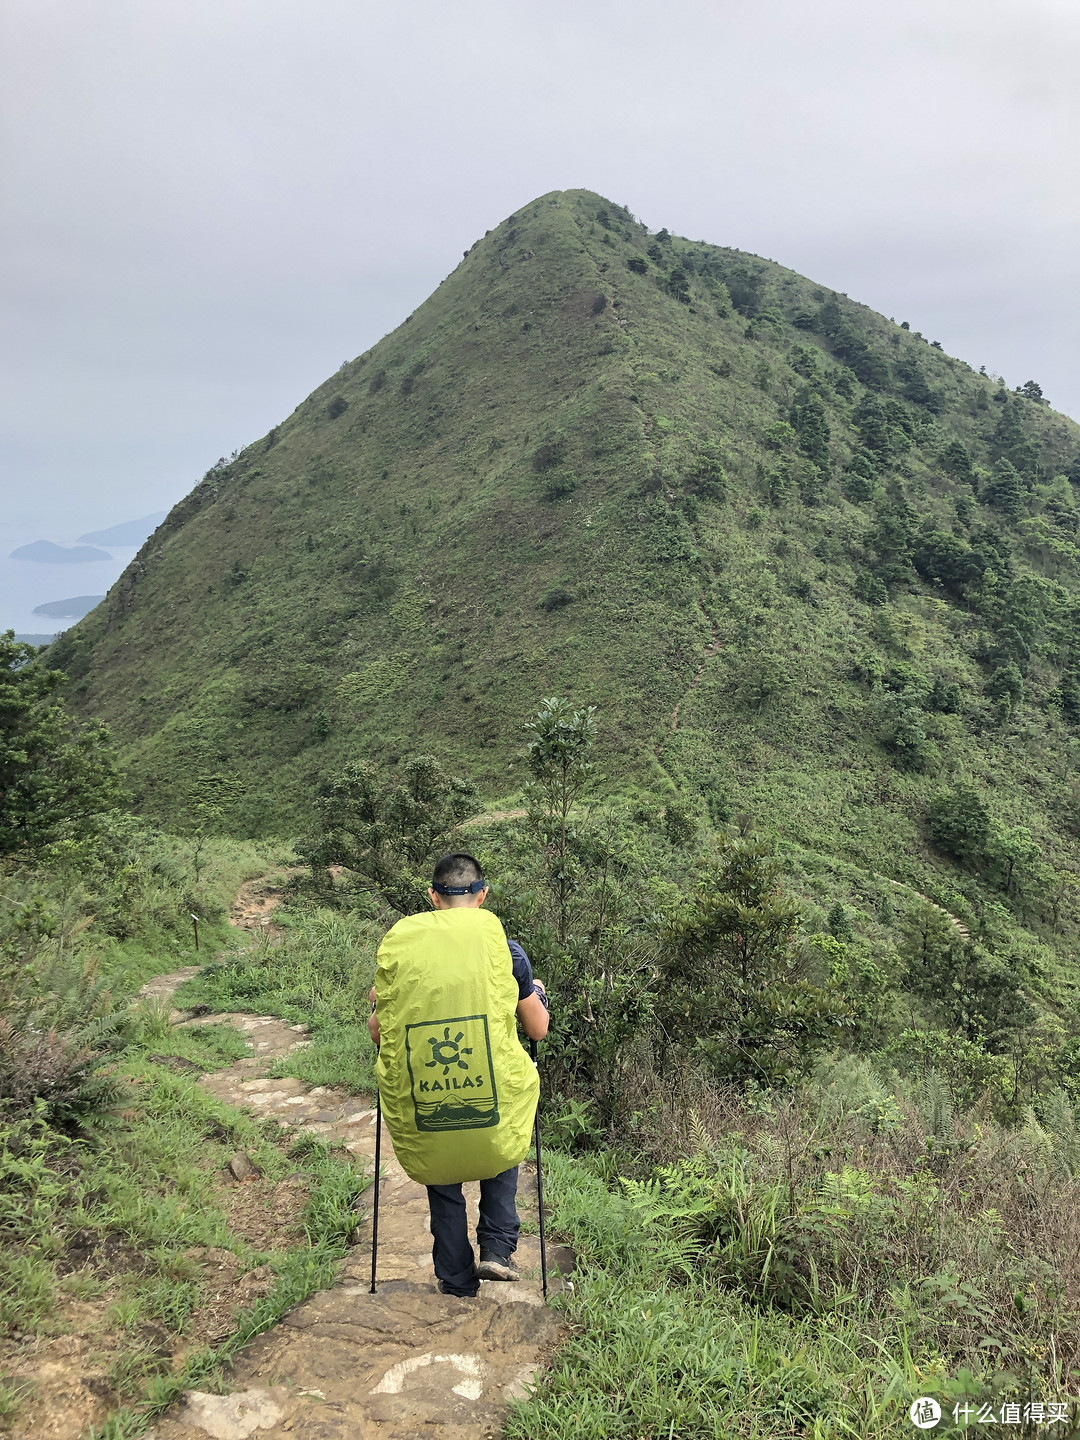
x=453 y=1086
x=446 y=1052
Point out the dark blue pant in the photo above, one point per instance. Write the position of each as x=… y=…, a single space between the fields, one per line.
x=496 y=1231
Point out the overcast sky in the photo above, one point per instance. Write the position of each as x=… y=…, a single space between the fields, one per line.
x=209 y=204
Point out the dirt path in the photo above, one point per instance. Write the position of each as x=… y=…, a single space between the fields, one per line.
x=711 y=648
x=490 y=817
x=957 y=924
x=348 y=1365
x=255 y=901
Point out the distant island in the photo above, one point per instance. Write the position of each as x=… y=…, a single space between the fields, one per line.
x=46 y=553
x=128 y=532
x=73 y=609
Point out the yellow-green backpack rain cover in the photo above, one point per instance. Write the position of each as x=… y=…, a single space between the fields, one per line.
x=458 y=1090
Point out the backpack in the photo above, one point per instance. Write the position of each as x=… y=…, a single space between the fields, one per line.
x=458 y=1090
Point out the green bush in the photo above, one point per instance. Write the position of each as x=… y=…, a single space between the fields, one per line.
x=735 y=983
x=560 y=483
x=959 y=822
x=58 y=776
x=60 y=1077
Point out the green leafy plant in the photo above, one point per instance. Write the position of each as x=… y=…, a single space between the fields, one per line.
x=388 y=830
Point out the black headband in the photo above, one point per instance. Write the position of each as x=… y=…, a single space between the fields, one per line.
x=473 y=889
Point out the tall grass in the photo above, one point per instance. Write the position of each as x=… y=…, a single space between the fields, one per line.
x=806 y=1265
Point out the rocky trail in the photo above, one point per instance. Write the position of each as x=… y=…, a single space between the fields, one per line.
x=957 y=924
x=348 y=1365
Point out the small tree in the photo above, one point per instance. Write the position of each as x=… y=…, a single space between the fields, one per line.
x=839 y=923
x=1005 y=489
x=579 y=912
x=559 y=757
x=209 y=798
x=58 y=777
x=708 y=476
x=959 y=823
x=677 y=284
x=811 y=424
x=1016 y=851
x=905 y=732
x=388 y=830
x=1006 y=683
x=956 y=462
x=974 y=993
x=734 y=980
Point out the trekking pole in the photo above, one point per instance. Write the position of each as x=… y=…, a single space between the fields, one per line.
x=375 y=1209
x=539 y=1182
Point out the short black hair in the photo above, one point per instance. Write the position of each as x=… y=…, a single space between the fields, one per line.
x=457 y=869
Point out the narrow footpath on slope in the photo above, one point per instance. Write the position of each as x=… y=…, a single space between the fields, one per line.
x=346 y=1364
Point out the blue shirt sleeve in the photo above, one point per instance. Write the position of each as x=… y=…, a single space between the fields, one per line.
x=523 y=973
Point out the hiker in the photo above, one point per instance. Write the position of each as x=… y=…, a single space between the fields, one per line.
x=458 y=1091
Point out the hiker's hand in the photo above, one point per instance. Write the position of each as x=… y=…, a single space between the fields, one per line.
x=539 y=985
x=532 y=1012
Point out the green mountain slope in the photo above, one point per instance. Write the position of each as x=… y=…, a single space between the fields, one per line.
x=805 y=564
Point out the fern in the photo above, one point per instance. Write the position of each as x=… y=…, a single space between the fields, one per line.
x=59 y=1076
x=703 y=1141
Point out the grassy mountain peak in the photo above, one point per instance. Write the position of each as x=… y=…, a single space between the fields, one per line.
x=807 y=566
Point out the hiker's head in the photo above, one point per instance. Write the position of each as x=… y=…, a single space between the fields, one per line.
x=458 y=880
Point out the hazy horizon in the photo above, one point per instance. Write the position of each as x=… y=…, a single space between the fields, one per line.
x=212 y=205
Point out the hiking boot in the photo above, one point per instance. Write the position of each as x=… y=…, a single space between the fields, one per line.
x=444 y=1289
x=495 y=1267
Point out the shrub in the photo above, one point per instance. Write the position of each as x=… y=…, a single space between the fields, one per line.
x=547 y=456
x=555 y=598
x=338 y=405
x=560 y=484
x=959 y=823
x=58 y=1077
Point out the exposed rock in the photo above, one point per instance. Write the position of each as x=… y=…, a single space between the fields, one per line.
x=177 y=1062
x=243 y=1168
x=470 y=1367
x=231 y=1417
